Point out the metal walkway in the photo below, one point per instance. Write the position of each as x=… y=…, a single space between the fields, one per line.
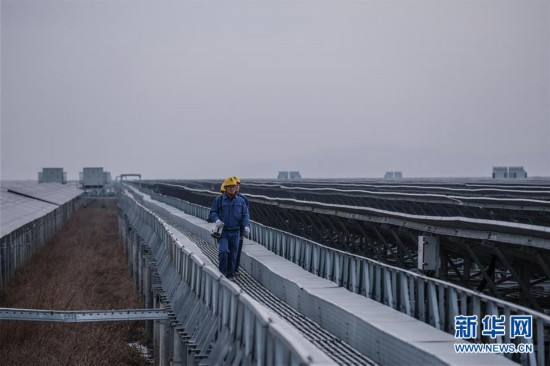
x=373 y=330
x=336 y=349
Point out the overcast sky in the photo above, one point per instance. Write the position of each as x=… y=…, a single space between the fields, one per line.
x=332 y=88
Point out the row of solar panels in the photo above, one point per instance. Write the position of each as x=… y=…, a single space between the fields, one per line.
x=516 y=213
x=510 y=231
x=533 y=189
x=22 y=202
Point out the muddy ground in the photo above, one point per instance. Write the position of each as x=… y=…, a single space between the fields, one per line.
x=83 y=268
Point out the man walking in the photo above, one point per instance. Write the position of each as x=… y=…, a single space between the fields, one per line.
x=229 y=211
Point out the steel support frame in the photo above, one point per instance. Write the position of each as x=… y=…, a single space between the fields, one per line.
x=470 y=250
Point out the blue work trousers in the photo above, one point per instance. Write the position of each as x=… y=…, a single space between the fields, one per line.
x=228 y=246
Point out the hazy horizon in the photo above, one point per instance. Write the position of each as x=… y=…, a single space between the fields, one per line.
x=333 y=89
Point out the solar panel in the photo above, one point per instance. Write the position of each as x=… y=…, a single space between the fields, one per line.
x=55 y=193
x=24 y=202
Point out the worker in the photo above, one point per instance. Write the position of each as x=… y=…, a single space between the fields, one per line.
x=241 y=238
x=230 y=212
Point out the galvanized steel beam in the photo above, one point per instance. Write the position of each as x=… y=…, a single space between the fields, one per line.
x=482 y=269
x=525 y=288
x=82 y=316
x=431 y=228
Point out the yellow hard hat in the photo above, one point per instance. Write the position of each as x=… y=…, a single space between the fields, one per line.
x=231 y=181
x=237 y=179
x=222 y=188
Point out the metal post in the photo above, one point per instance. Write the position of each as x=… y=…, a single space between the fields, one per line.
x=140 y=269
x=163 y=359
x=467 y=268
x=156 y=327
x=148 y=299
x=135 y=244
x=176 y=358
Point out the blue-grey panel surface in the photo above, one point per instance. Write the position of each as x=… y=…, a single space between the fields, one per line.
x=17 y=211
x=55 y=193
x=23 y=202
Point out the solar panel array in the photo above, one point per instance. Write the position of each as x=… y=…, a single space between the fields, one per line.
x=24 y=202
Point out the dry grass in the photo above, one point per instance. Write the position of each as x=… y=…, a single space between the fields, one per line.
x=84 y=268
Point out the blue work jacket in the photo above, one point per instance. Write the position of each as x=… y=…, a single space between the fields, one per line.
x=233 y=212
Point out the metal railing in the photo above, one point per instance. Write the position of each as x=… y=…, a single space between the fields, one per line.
x=195 y=289
x=430 y=300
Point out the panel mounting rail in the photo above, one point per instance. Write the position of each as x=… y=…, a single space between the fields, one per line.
x=82 y=316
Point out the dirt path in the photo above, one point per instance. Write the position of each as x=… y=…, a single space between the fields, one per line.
x=84 y=268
